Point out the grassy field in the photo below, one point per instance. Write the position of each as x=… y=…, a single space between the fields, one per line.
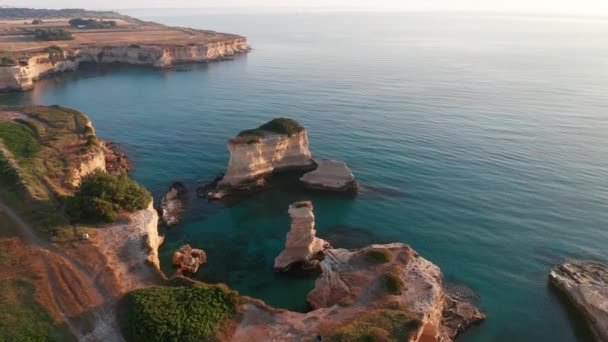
x=17 y=35
x=22 y=317
x=45 y=143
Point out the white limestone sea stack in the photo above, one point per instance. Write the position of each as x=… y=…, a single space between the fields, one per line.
x=585 y=285
x=302 y=247
x=279 y=145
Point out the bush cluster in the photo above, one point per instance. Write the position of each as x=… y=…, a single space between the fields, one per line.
x=285 y=126
x=52 y=34
x=181 y=313
x=7 y=59
x=378 y=255
x=393 y=283
x=101 y=196
x=91 y=23
x=377 y=325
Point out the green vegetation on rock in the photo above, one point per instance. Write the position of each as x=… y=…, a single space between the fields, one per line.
x=101 y=196
x=379 y=325
x=55 y=54
x=285 y=126
x=22 y=317
x=378 y=255
x=52 y=34
x=393 y=283
x=180 y=313
x=19 y=139
x=7 y=59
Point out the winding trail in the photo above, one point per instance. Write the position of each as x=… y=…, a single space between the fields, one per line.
x=81 y=287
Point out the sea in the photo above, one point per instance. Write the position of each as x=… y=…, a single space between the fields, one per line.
x=481 y=140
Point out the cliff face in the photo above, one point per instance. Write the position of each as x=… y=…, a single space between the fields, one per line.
x=586 y=287
x=274 y=152
x=85 y=165
x=23 y=76
x=131 y=249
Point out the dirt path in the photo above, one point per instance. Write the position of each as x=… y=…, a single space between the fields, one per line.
x=74 y=292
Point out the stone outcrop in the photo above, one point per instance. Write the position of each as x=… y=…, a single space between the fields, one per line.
x=37 y=65
x=172 y=204
x=188 y=259
x=331 y=175
x=269 y=154
x=117 y=161
x=302 y=247
x=131 y=247
x=586 y=287
x=353 y=291
x=84 y=165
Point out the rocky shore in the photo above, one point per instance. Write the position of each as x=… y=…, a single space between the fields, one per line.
x=585 y=285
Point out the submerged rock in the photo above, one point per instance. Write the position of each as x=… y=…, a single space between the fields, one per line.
x=302 y=247
x=171 y=206
x=279 y=145
x=188 y=259
x=203 y=191
x=586 y=287
x=331 y=175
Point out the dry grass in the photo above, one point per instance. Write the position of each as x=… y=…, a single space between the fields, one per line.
x=15 y=35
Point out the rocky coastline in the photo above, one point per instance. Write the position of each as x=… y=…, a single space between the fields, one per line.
x=585 y=286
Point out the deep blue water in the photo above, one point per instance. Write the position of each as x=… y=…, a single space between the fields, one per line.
x=482 y=141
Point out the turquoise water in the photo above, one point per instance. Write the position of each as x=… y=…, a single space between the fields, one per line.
x=482 y=142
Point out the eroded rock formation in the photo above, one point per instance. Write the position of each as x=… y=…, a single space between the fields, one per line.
x=377 y=292
x=586 y=287
x=172 y=204
x=85 y=164
x=302 y=247
x=188 y=259
x=332 y=175
x=273 y=152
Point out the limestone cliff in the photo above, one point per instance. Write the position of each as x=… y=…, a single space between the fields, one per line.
x=270 y=153
x=37 y=65
x=132 y=248
x=84 y=165
x=586 y=287
x=301 y=245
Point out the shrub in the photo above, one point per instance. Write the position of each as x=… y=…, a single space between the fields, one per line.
x=52 y=34
x=91 y=23
x=378 y=325
x=37 y=22
x=55 y=54
x=101 y=196
x=7 y=59
x=182 y=313
x=393 y=283
x=285 y=126
x=134 y=46
x=378 y=255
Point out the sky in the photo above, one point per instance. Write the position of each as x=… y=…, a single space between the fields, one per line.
x=584 y=7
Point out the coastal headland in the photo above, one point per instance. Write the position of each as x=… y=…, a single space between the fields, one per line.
x=35 y=43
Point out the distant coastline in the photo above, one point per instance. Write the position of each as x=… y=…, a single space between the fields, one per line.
x=37 y=43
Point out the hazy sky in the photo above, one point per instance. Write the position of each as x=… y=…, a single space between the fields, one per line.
x=592 y=7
